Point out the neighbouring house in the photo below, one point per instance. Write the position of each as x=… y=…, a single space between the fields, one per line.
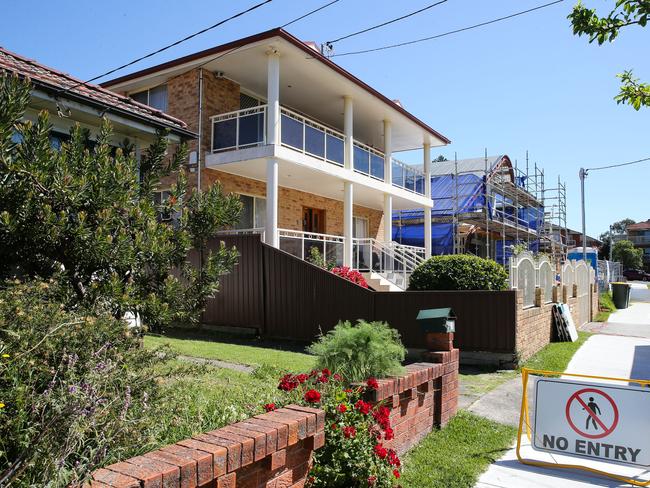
x=485 y=206
x=308 y=146
x=574 y=239
x=639 y=234
x=70 y=101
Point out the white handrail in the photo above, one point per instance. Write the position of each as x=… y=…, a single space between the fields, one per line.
x=239 y=113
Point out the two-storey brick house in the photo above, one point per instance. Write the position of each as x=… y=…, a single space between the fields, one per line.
x=307 y=145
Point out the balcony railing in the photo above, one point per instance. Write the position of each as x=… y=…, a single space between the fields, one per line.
x=300 y=244
x=246 y=128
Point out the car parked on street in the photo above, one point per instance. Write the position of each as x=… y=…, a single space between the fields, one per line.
x=636 y=274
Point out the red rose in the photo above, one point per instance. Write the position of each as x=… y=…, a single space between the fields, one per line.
x=389 y=434
x=396 y=473
x=335 y=426
x=288 y=382
x=337 y=377
x=380 y=451
x=322 y=379
x=372 y=480
x=312 y=396
x=326 y=372
x=269 y=407
x=362 y=407
x=393 y=458
x=302 y=378
x=372 y=383
x=342 y=408
x=349 y=432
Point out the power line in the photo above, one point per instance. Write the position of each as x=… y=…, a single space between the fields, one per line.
x=226 y=53
x=308 y=14
x=169 y=46
x=329 y=43
x=619 y=164
x=391 y=46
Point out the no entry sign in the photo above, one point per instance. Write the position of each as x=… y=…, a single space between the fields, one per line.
x=596 y=421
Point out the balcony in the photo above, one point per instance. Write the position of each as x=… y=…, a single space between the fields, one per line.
x=245 y=128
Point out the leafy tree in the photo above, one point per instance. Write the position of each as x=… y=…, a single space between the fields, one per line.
x=440 y=159
x=85 y=214
x=616 y=229
x=587 y=22
x=630 y=256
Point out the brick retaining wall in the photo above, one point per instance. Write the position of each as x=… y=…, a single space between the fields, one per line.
x=426 y=396
x=269 y=450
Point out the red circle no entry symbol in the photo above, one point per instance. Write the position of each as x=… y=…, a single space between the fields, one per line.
x=590 y=400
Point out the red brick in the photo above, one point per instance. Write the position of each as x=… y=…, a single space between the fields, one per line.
x=316 y=441
x=259 y=439
x=148 y=478
x=299 y=417
x=171 y=475
x=227 y=481
x=281 y=428
x=233 y=448
x=270 y=433
x=291 y=423
x=247 y=444
x=277 y=460
x=219 y=454
x=285 y=480
x=114 y=479
x=203 y=459
x=186 y=466
x=320 y=414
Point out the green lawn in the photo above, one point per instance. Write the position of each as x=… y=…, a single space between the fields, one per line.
x=606 y=305
x=250 y=352
x=556 y=356
x=455 y=456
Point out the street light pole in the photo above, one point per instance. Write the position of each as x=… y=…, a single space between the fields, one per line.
x=583 y=175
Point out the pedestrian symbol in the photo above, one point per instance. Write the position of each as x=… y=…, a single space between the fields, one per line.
x=594 y=409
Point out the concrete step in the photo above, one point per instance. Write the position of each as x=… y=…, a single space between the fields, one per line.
x=379 y=283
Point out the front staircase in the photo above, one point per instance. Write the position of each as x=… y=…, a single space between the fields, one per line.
x=387 y=266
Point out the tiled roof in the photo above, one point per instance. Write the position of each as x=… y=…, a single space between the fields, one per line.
x=640 y=226
x=57 y=80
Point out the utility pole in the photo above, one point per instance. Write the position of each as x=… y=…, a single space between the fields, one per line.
x=583 y=175
x=611 y=242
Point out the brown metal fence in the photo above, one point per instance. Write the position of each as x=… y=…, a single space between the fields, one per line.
x=285 y=297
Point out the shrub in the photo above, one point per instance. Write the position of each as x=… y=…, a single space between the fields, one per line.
x=459 y=272
x=76 y=390
x=367 y=349
x=316 y=258
x=353 y=455
x=351 y=275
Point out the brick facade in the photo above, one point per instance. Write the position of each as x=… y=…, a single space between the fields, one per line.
x=291 y=203
x=270 y=450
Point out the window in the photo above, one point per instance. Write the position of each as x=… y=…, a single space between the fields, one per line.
x=253 y=214
x=154 y=97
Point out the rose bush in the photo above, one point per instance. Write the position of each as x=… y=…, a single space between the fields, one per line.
x=351 y=275
x=353 y=454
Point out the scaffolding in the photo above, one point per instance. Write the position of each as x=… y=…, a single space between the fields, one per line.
x=556 y=244
x=485 y=206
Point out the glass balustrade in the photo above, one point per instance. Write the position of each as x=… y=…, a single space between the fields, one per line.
x=246 y=128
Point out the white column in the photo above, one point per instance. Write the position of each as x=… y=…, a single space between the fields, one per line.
x=388 y=179
x=273 y=97
x=427 y=193
x=348 y=190
x=348 y=204
x=271 y=229
x=272 y=137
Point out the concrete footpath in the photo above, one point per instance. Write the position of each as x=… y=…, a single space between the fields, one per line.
x=620 y=348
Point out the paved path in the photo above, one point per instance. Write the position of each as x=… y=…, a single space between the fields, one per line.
x=608 y=354
x=218 y=363
x=633 y=321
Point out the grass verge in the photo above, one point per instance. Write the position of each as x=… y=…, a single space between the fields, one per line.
x=253 y=352
x=556 y=356
x=606 y=305
x=455 y=456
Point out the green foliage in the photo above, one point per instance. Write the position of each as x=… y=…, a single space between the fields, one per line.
x=625 y=253
x=587 y=22
x=360 y=351
x=85 y=214
x=606 y=302
x=316 y=258
x=77 y=389
x=459 y=272
x=616 y=229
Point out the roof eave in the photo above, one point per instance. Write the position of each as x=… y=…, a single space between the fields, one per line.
x=279 y=32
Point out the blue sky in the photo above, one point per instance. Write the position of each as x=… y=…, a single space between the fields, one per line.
x=523 y=84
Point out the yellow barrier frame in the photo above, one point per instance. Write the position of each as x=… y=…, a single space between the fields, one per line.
x=524 y=418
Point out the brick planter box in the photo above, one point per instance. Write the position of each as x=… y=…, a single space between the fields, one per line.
x=269 y=450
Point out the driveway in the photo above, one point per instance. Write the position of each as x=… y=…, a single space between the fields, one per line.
x=620 y=348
